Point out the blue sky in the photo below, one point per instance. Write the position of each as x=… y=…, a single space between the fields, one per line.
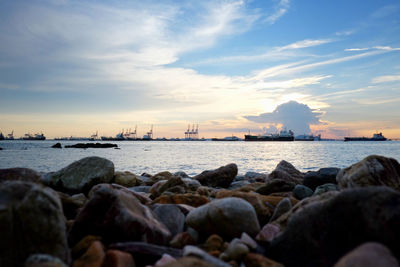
x=73 y=67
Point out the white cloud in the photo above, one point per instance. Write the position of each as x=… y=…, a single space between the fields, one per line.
x=280 y=9
x=386 y=78
x=304 y=44
x=384 y=48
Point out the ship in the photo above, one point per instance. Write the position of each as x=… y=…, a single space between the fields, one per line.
x=118 y=137
x=129 y=135
x=149 y=135
x=36 y=136
x=308 y=137
x=1 y=136
x=375 y=137
x=284 y=135
x=10 y=136
x=228 y=138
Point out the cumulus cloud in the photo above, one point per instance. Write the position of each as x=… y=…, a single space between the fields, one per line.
x=293 y=115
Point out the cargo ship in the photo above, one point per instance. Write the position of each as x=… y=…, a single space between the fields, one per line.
x=306 y=137
x=37 y=136
x=375 y=137
x=284 y=135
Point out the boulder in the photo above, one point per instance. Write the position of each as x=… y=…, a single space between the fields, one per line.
x=369 y=254
x=302 y=191
x=126 y=179
x=373 y=170
x=221 y=177
x=325 y=188
x=276 y=185
x=194 y=200
x=82 y=175
x=286 y=171
x=31 y=222
x=171 y=216
x=228 y=217
x=323 y=232
x=20 y=174
x=320 y=177
x=57 y=145
x=116 y=215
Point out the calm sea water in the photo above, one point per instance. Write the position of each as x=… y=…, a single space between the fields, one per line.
x=194 y=157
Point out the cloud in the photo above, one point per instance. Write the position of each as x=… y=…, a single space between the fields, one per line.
x=292 y=115
x=280 y=9
x=304 y=44
x=386 y=78
x=385 y=11
x=384 y=48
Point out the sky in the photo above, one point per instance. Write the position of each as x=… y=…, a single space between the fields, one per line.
x=74 y=67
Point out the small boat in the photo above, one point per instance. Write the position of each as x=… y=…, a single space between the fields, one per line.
x=284 y=135
x=36 y=136
x=375 y=137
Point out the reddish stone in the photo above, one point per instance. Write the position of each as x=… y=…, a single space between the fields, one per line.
x=258 y=260
x=93 y=257
x=117 y=258
x=268 y=233
x=193 y=200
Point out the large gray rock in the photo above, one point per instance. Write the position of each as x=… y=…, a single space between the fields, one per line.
x=20 y=174
x=286 y=171
x=227 y=217
x=325 y=188
x=31 y=222
x=117 y=215
x=373 y=170
x=81 y=175
x=276 y=185
x=301 y=191
x=320 y=177
x=324 y=231
x=221 y=177
x=171 y=216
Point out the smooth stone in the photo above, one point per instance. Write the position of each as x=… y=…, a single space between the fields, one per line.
x=248 y=241
x=117 y=215
x=57 y=145
x=268 y=233
x=238 y=184
x=283 y=206
x=80 y=176
x=161 y=186
x=143 y=198
x=181 y=240
x=43 y=260
x=287 y=172
x=171 y=216
x=126 y=179
x=371 y=171
x=256 y=176
x=322 y=176
x=369 y=254
x=82 y=246
x=31 y=222
x=300 y=192
x=190 y=199
x=117 y=258
x=165 y=259
x=20 y=174
x=201 y=254
x=221 y=177
x=258 y=260
x=276 y=185
x=213 y=243
x=239 y=178
x=181 y=174
x=72 y=204
x=350 y=218
x=228 y=217
x=191 y=184
x=93 y=257
x=325 y=188
x=236 y=250
x=189 y=262
x=141 y=188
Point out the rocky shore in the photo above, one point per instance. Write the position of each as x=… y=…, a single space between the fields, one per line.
x=88 y=214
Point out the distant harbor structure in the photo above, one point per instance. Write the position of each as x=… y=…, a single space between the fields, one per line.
x=149 y=135
x=192 y=134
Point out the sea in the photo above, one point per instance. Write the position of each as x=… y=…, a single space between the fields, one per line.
x=193 y=157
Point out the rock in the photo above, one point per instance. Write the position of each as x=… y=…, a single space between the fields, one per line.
x=20 y=174
x=141 y=189
x=116 y=258
x=126 y=179
x=191 y=184
x=258 y=260
x=144 y=253
x=145 y=180
x=325 y=188
x=93 y=257
x=283 y=206
x=201 y=254
x=368 y=255
x=235 y=251
x=57 y=145
x=194 y=200
x=350 y=218
x=213 y=243
x=181 y=174
x=165 y=259
x=1 y=148
x=320 y=177
x=171 y=216
x=373 y=170
x=72 y=204
x=181 y=240
x=43 y=260
x=238 y=184
x=256 y=177
x=268 y=233
x=276 y=185
x=82 y=175
x=141 y=197
x=82 y=246
x=286 y=171
x=228 y=217
x=159 y=187
x=31 y=222
x=189 y=262
x=92 y=145
x=116 y=215
x=248 y=241
x=221 y=177
x=302 y=191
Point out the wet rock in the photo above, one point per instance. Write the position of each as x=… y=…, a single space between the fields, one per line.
x=368 y=255
x=31 y=222
x=221 y=177
x=276 y=185
x=72 y=204
x=201 y=254
x=117 y=258
x=116 y=215
x=92 y=145
x=300 y=192
x=189 y=262
x=258 y=260
x=82 y=175
x=126 y=179
x=350 y=218
x=320 y=177
x=194 y=200
x=325 y=188
x=268 y=233
x=145 y=253
x=371 y=171
x=181 y=240
x=283 y=206
x=93 y=257
x=43 y=260
x=171 y=216
x=57 y=145
x=287 y=172
x=228 y=217
x=20 y=174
